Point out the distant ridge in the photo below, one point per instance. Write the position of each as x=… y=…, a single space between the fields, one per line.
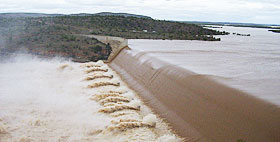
x=122 y=14
x=230 y=24
x=25 y=14
x=6 y=15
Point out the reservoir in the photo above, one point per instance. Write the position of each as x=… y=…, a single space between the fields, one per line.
x=248 y=63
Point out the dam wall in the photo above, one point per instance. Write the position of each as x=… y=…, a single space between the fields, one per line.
x=117 y=44
x=196 y=106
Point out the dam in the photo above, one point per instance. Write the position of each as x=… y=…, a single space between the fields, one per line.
x=210 y=91
x=149 y=90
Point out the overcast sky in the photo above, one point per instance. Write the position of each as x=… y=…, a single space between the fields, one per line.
x=252 y=11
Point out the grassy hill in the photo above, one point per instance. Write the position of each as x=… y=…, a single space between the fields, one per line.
x=122 y=14
x=60 y=35
x=23 y=14
x=48 y=39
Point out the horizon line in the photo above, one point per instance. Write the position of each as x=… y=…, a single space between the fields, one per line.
x=267 y=24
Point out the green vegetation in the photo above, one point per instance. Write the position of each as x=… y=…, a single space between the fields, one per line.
x=275 y=31
x=63 y=35
x=45 y=38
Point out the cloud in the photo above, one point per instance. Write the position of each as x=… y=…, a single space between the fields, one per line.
x=257 y=11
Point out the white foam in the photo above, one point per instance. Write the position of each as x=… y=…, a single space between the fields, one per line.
x=135 y=103
x=114 y=80
x=105 y=66
x=54 y=105
x=129 y=95
x=99 y=63
x=150 y=119
x=122 y=89
x=167 y=138
x=38 y=98
x=2 y=128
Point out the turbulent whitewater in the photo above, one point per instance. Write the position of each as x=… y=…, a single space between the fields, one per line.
x=58 y=100
x=207 y=91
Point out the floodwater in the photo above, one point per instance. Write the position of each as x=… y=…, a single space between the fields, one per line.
x=49 y=100
x=248 y=63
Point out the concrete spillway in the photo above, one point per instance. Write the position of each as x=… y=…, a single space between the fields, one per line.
x=196 y=106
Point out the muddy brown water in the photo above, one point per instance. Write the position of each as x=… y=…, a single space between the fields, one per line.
x=210 y=91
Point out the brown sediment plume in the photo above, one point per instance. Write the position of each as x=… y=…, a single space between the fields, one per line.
x=99 y=84
x=124 y=120
x=121 y=114
x=62 y=67
x=99 y=76
x=90 y=65
x=2 y=129
x=198 y=107
x=147 y=120
x=112 y=109
x=119 y=92
x=65 y=66
x=98 y=97
x=93 y=64
x=114 y=100
x=26 y=139
x=96 y=69
x=122 y=126
x=123 y=107
x=113 y=104
x=94 y=132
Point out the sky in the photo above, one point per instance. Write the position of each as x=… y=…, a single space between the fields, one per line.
x=245 y=11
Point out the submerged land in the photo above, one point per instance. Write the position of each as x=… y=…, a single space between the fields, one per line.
x=275 y=31
x=62 y=35
x=272 y=27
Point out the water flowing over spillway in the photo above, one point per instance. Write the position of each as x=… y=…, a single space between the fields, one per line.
x=57 y=100
x=210 y=91
x=206 y=91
